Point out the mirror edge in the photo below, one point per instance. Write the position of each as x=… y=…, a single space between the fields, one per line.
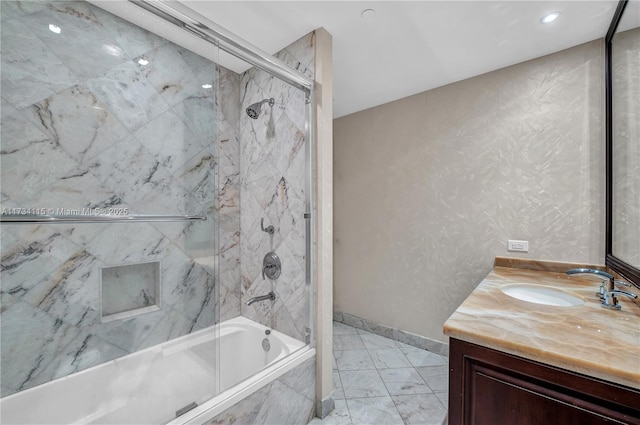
x=621 y=267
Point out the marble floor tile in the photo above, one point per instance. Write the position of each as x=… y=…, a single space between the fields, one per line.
x=348 y=342
x=353 y=360
x=362 y=383
x=337 y=392
x=419 y=357
x=378 y=380
x=373 y=341
x=342 y=329
x=389 y=358
x=403 y=381
x=444 y=398
x=423 y=409
x=374 y=410
x=436 y=377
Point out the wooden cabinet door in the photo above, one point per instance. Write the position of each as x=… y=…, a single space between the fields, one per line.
x=488 y=387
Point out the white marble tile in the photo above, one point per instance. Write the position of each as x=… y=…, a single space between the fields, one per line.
x=288 y=323
x=17 y=131
x=29 y=254
x=386 y=358
x=337 y=392
x=437 y=377
x=28 y=78
x=374 y=410
x=422 y=409
x=373 y=341
x=342 y=329
x=12 y=9
x=134 y=40
x=70 y=292
x=347 y=342
x=444 y=398
x=47 y=164
x=80 y=31
x=362 y=383
x=284 y=406
x=128 y=95
x=353 y=360
x=78 y=122
x=169 y=140
x=198 y=112
x=403 y=381
x=30 y=339
x=85 y=351
x=419 y=357
x=169 y=74
x=198 y=177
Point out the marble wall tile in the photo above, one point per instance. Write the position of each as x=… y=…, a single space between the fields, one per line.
x=91 y=130
x=289 y=400
x=80 y=31
x=128 y=94
x=272 y=187
x=29 y=78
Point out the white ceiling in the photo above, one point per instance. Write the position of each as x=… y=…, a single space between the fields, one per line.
x=411 y=46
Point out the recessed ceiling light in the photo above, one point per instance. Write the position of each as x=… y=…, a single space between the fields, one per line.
x=54 y=28
x=143 y=61
x=368 y=13
x=207 y=86
x=549 y=17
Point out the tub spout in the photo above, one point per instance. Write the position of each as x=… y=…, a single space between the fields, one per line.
x=270 y=296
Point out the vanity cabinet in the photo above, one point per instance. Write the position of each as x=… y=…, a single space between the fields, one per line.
x=489 y=387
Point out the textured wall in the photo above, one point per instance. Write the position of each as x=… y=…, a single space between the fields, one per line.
x=429 y=188
x=85 y=125
x=626 y=146
x=272 y=187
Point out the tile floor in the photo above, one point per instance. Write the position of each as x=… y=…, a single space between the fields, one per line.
x=379 y=381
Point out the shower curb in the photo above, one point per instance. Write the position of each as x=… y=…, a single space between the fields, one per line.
x=409 y=338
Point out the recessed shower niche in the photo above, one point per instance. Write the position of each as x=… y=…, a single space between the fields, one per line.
x=129 y=290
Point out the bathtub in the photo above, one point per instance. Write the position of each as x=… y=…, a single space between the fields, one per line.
x=150 y=386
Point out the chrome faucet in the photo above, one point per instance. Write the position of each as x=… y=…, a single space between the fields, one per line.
x=608 y=289
x=270 y=296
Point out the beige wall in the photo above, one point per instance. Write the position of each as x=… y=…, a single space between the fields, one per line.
x=429 y=188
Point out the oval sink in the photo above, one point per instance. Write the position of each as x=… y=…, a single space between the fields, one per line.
x=542 y=295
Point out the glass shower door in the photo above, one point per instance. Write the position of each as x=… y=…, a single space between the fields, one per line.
x=109 y=200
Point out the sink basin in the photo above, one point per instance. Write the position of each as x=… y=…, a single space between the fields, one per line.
x=542 y=295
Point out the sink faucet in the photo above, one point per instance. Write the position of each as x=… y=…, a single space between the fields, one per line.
x=270 y=296
x=608 y=289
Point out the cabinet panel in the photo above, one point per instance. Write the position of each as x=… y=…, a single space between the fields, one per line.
x=488 y=387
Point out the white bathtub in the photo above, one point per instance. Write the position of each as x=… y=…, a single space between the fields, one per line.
x=149 y=386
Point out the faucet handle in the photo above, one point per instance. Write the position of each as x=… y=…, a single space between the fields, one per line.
x=628 y=294
x=622 y=283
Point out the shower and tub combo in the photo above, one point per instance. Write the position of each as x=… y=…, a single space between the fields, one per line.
x=138 y=282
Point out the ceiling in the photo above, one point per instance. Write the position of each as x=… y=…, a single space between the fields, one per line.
x=410 y=46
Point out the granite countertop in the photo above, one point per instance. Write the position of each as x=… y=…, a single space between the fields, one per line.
x=587 y=338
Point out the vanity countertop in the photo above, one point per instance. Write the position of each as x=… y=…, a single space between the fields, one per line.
x=586 y=338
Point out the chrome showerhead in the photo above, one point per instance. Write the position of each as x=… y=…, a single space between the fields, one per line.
x=254 y=110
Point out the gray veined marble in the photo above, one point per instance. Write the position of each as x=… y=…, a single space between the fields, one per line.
x=80 y=31
x=78 y=122
x=128 y=94
x=28 y=78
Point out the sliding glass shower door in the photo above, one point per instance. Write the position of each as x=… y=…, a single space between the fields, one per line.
x=109 y=201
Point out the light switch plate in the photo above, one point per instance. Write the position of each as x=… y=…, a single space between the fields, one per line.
x=518 y=246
